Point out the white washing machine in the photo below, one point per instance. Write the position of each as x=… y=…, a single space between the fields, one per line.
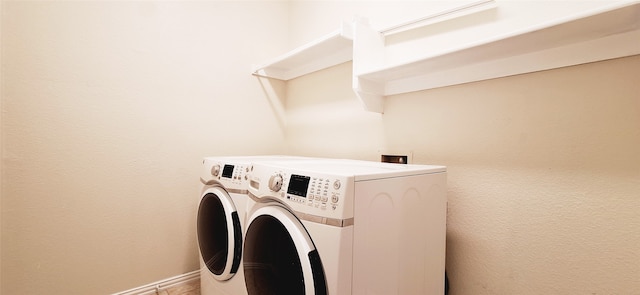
x=220 y=222
x=345 y=227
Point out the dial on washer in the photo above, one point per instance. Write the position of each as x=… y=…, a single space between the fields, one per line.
x=275 y=182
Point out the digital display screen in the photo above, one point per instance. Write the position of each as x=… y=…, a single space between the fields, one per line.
x=298 y=185
x=227 y=171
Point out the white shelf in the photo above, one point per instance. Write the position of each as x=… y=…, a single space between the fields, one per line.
x=610 y=31
x=330 y=50
x=605 y=33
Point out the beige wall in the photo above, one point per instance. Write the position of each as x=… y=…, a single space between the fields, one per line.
x=543 y=170
x=108 y=108
x=1 y=146
x=543 y=177
x=544 y=184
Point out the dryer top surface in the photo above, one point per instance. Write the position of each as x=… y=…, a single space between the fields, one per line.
x=359 y=170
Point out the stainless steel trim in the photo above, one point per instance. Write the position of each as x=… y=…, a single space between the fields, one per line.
x=229 y=190
x=325 y=220
x=237 y=191
x=255 y=198
x=337 y=222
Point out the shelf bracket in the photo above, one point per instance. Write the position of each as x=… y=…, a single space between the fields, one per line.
x=368 y=54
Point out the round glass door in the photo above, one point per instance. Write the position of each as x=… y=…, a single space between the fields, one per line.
x=219 y=233
x=279 y=256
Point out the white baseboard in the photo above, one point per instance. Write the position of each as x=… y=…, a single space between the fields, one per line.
x=156 y=287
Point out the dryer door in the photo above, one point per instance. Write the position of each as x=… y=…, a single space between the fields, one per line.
x=279 y=256
x=219 y=233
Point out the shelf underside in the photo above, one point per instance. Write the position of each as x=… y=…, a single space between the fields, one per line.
x=333 y=49
x=601 y=36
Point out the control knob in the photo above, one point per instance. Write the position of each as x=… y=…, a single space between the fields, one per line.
x=275 y=182
x=215 y=170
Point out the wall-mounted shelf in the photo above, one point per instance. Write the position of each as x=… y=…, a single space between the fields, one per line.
x=610 y=31
x=605 y=33
x=330 y=50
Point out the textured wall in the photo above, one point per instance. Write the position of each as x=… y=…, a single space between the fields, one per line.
x=544 y=183
x=543 y=170
x=1 y=146
x=108 y=108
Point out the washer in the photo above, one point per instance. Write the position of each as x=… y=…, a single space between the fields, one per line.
x=345 y=227
x=220 y=222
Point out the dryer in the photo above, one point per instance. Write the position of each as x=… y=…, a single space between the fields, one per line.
x=220 y=222
x=345 y=227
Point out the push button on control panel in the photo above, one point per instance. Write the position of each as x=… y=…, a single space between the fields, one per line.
x=320 y=193
x=337 y=184
x=335 y=198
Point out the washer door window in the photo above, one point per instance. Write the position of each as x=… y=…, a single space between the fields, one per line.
x=219 y=233
x=279 y=256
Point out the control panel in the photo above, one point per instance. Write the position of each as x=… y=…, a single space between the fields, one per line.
x=230 y=175
x=312 y=193
x=318 y=192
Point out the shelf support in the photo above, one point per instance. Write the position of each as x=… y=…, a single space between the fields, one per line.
x=368 y=54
